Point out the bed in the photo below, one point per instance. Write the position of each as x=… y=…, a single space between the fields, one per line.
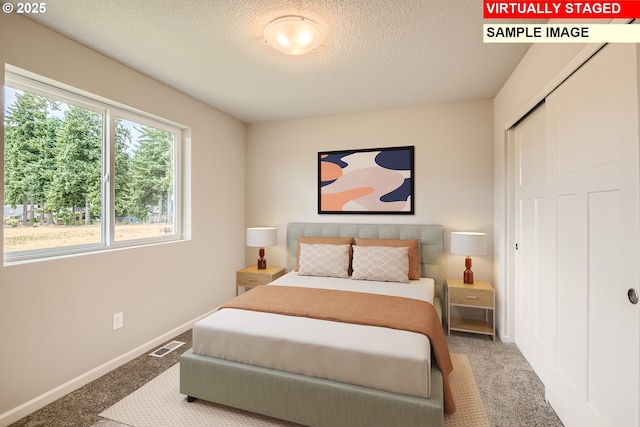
x=295 y=388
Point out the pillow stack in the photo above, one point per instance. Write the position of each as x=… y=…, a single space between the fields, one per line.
x=383 y=260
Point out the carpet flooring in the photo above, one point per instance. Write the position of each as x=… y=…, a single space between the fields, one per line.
x=512 y=393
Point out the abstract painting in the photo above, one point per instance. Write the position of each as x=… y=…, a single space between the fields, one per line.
x=366 y=181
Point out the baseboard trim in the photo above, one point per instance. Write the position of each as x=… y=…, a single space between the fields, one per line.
x=21 y=411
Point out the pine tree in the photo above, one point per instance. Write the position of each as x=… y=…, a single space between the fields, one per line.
x=29 y=159
x=152 y=171
x=124 y=202
x=78 y=150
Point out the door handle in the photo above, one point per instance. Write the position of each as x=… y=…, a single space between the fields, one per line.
x=633 y=296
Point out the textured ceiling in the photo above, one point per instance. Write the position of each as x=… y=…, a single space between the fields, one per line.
x=378 y=54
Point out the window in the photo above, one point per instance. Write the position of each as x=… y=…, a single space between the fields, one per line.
x=81 y=174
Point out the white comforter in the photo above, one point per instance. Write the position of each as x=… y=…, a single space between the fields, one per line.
x=375 y=357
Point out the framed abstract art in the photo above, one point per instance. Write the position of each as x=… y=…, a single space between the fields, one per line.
x=366 y=181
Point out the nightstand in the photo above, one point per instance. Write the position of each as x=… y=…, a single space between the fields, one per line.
x=479 y=295
x=251 y=277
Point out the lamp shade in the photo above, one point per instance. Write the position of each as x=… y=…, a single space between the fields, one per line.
x=468 y=243
x=260 y=237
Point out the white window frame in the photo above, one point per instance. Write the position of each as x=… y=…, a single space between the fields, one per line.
x=38 y=85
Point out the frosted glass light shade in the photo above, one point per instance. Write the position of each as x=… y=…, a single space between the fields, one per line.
x=260 y=237
x=468 y=243
x=294 y=35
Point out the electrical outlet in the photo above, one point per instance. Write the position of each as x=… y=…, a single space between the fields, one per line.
x=118 y=321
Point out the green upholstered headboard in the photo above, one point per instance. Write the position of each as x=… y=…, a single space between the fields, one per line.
x=431 y=239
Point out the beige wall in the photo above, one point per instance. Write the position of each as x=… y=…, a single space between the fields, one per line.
x=56 y=316
x=453 y=170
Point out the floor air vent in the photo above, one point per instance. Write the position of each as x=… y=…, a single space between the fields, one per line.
x=166 y=349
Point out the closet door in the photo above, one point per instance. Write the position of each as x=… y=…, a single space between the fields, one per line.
x=592 y=180
x=534 y=294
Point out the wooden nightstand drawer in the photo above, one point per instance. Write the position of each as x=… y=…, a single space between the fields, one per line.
x=473 y=297
x=251 y=277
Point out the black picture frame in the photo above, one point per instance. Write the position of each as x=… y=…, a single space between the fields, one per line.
x=367 y=181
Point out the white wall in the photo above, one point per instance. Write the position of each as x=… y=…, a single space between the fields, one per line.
x=55 y=316
x=453 y=170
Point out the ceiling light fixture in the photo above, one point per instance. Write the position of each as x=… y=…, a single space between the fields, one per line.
x=294 y=35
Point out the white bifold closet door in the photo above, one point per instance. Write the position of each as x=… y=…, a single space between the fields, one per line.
x=578 y=264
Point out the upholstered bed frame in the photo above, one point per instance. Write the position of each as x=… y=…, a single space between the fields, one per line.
x=314 y=401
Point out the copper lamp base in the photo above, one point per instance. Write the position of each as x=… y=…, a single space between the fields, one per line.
x=262 y=261
x=468 y=274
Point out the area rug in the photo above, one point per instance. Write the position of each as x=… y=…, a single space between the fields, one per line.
x=159 y=404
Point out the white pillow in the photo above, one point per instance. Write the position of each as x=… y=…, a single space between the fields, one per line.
x=324 y=260
x=381 y=263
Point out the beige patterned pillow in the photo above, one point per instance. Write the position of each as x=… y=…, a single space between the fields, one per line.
x=381 y=263
x=414 y=252
x=325 y=240
x=324 y=260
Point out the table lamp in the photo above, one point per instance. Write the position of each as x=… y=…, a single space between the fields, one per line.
x=469 y=244
x=260 y=237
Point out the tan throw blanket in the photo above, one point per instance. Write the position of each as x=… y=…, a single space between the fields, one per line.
x=359 y=308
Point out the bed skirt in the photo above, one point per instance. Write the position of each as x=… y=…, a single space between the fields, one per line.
x=306 y=400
